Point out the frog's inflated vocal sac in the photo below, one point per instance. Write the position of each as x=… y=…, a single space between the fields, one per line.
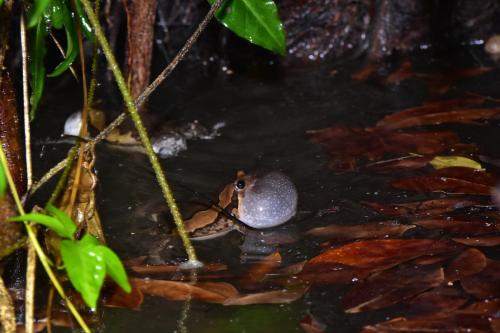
x=265 y=201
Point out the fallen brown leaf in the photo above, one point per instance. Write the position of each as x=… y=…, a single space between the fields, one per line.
x=259 y=271
x=213 y=292
x=479 y=241
x=391 y=287
x=469 y=262
x=438 y=300
x=367 y=230
x=311 y=325
x=486 y=283
x=115 y=297
x=268 y=297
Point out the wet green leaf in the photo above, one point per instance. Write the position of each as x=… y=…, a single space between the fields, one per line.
x=84 y=22
x=256 y=21
x=1 y=3
x=48 y=221
x=114 y=268
x=87 y=262
x=85 y=267
x=37 y=66
x=61 y=16
x=65 y=220
x=3 y=178
x=35 y=15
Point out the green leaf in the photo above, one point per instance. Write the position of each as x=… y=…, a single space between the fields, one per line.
x=48 y=221
x=68 y=224
x=35 y=16
x=62 y=15
x=3 y=178
x=84 y=22
x=255 y=20
x=37 y=66
x=439 y=162
x=1 y=3
x=85 y=266
x=114 y=268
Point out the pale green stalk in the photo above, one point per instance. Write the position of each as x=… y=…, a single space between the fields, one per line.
x=141 y=130
x=38 y=248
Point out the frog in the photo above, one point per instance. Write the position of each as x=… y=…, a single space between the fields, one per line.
x=258 y=201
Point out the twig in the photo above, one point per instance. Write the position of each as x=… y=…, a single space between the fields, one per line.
x=141 y=130
x=38 y=248
x=7 y=314
x=142 y=98
x=26 y=105
x=31 y=258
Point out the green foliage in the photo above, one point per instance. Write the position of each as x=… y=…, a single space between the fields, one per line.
x=37 y=67
x=36 y=12
x=60 y=15
x=256 y=21
x=3 y=178
x=45 y=15
x=87 y=262
x=1 y=3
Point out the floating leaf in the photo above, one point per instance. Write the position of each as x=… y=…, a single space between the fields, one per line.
x=440 y=162
x=268 y=297
x=469 y=262
x=486 y=283
x=85 y=267
x=115 y=297
x=426 y=207
x=214 y=292
x=464 y=226
x=450 y=180
x=367 y=230
x=438 y=300
x=256 y=21
x=392 y=287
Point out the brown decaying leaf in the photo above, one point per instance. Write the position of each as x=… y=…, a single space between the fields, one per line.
x=427 y=207
x=391 y=287
x=364 y=73
x=469 y=262
x=205 y=217
x=373 y=143
x=441 y=111
x=311 y=325
x=479 y=241
x=450 y=180
x=439 y=83
x=367 y=230
x=486 y=283
x=467 y=227
x=268 y=297
x=115 y=297
x=438 y=300
x=400 y=164
x=403 y=72
x=259 y=271
x=213 y=292
x=158 y=269
x=359 y=259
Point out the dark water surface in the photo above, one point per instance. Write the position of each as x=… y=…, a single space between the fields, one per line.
x=266 y=123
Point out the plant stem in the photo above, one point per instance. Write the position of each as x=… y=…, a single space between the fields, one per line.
x=7 y=314
x=26 y=104
x=141 y=130
x=38 y=248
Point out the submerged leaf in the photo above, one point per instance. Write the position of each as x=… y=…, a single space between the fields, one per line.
x=268 y=297
x=367 y=230
x=256 y=21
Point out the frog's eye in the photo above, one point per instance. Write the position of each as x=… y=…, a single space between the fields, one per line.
x=240 y=185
